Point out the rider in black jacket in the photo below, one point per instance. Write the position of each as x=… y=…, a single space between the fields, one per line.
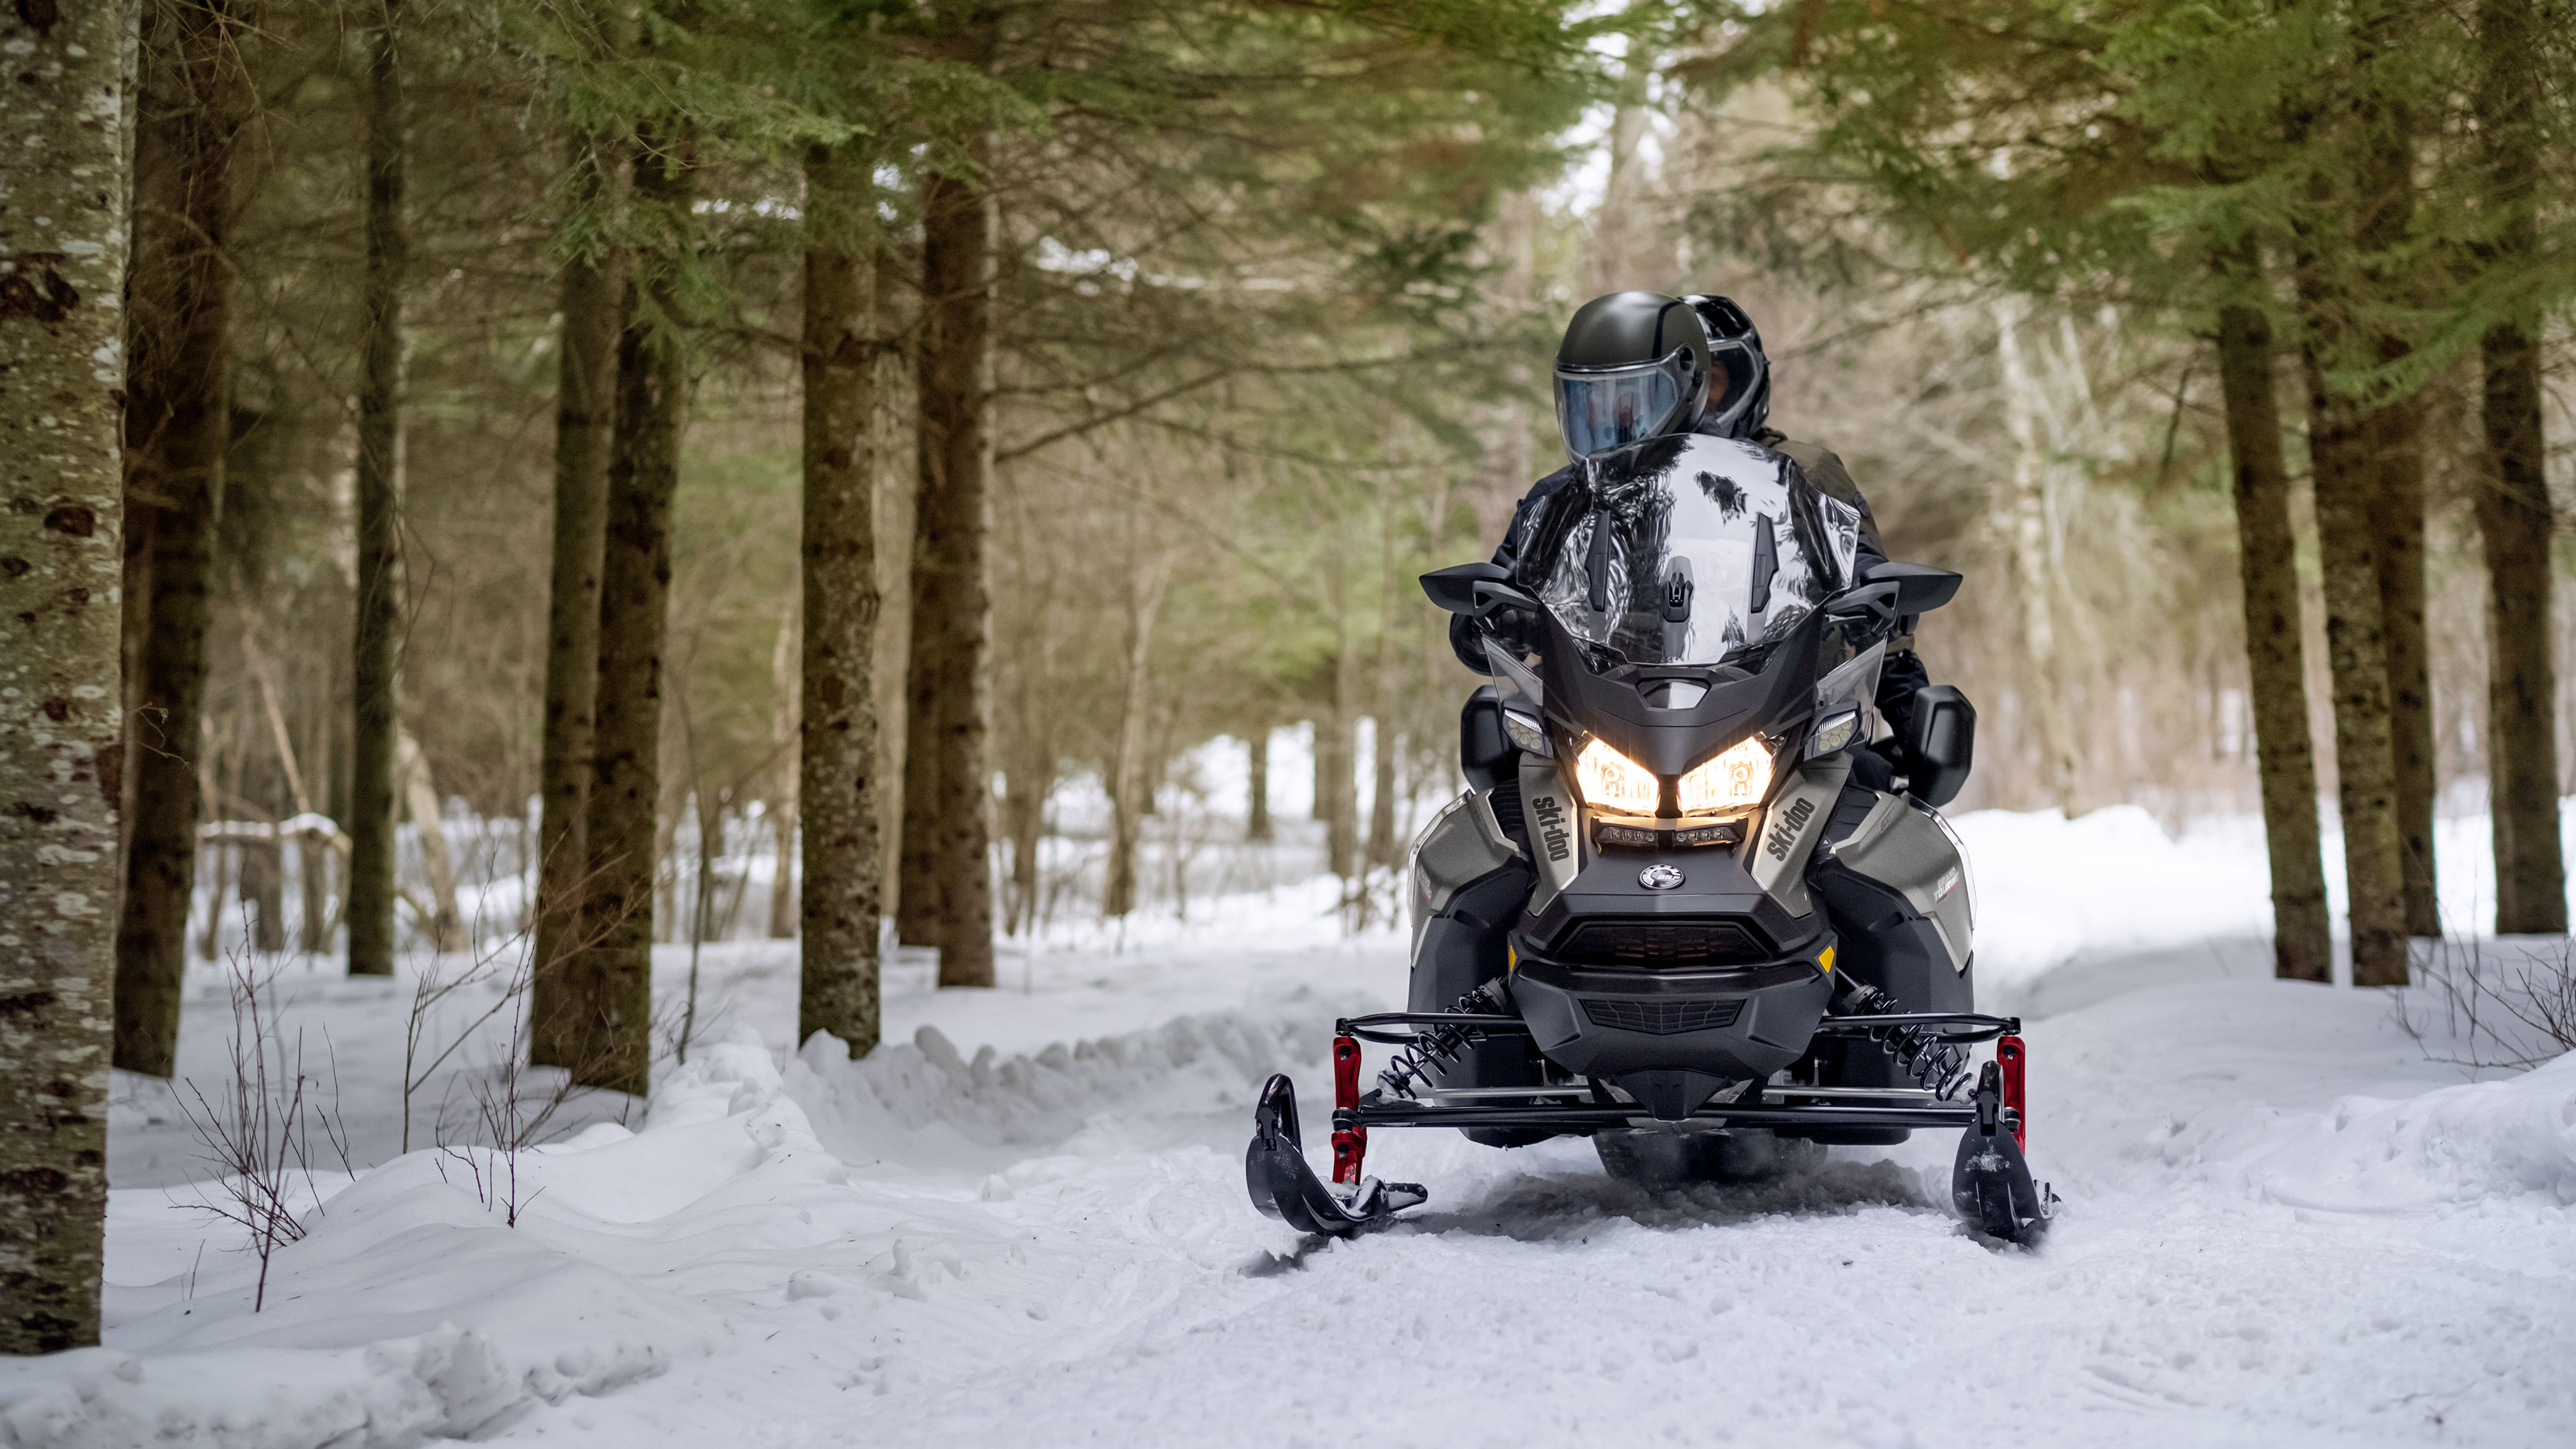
x=1639 y=364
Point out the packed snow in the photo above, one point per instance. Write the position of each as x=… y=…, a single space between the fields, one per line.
x=2288 y=1218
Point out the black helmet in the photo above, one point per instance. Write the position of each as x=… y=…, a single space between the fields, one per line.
x=1739 y=400
x=1633 y=365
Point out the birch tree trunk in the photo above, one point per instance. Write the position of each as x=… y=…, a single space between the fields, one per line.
x=838 y=768
x=608 y=1036
x=375 y=664
x=953 y=628
x=592 y=297
x=2267 y=563
x=62 y=259
x=178 y=324
x=420 y=801
x=2025 y=529
x=2515 y=519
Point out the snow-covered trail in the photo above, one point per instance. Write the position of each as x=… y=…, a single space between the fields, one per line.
x=2284 y=1223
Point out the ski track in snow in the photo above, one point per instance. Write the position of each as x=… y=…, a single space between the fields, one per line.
x=2284 y=1224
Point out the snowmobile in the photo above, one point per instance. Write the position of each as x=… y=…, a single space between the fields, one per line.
x=1663 y=916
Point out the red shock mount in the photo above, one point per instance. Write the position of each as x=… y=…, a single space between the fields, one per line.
x=2011 y=1056
x=1350 y=1140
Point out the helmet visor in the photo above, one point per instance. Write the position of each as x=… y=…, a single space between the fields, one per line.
x=1611 y=409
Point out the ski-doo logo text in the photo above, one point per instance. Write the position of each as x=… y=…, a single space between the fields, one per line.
x=1551 y=826
x=1792 y=821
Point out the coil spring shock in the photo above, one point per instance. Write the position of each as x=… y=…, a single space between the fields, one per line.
x=1439 y=1045
x=1940 y=1066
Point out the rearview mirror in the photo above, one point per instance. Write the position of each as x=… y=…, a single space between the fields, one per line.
x=1919 y=587
x=1475 y=589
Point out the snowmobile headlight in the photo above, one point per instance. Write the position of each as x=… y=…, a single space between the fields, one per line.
x=1736 y=779
x=1525 y=734
x=1612 y=781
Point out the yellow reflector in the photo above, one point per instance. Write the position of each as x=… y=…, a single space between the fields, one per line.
x=1735 y=780
x=1612 y=781
x=1825 y=962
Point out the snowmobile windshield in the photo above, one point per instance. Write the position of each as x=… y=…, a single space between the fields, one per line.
x=1611 y=409
x=1693 y=550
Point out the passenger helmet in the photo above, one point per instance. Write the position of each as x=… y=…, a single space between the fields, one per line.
x=1634 y=365
x=1739 y=400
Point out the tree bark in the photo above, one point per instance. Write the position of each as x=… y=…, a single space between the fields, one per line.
x=1130 y=784
x=951 y=635
x=178 y=327
x=592 y=298
x=2515 y=518
x=62 y=260
x=609 y=976
x=375 y=662
x=2267 y=562
x=2357 y=654
x=786 y=670
x=838 y=779
x=1256 y=817
x=917 y=896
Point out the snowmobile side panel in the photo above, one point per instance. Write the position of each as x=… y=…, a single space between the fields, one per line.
x=1555 y=828
x=1463 y=844
x=1776 y=855
x=1903 y=847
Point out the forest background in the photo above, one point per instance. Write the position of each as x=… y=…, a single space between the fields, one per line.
x=579 y=432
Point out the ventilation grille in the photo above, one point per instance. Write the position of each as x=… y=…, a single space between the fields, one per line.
x=1662 y=1018
x=1506 y=803
x=1702 y=943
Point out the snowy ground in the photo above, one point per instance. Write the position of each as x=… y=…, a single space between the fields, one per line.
x=1023 y=1222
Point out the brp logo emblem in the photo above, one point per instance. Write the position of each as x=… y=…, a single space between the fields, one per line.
x=1660 y=877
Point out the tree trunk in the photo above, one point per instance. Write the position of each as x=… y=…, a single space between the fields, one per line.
x=950 y=636
x=1130 y=783
x=2357 y=654
x=2267 y=563
x=1336 y=757
x=429 y=828
x=607 y=1039
x=916 y=917
x=177 y=333
x=838 y=777
x=61 y=562
x=2515 y=520
x=593 y=299
x=2025 y=528
x=263 y=889
x=375 y=656
x=786 y=669
x=1382 y=843
x=1256 y=815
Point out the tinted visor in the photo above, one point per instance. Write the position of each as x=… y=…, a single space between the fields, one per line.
x=1611 y=409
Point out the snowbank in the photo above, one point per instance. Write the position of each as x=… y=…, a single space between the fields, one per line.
x=414 y=1310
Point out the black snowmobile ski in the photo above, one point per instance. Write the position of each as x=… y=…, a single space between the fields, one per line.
x=1286 y=1188
x=1990 y=1181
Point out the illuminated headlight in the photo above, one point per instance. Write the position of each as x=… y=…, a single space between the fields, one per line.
x=1735 y=780
x=1834 y=733
x=1612 y=781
